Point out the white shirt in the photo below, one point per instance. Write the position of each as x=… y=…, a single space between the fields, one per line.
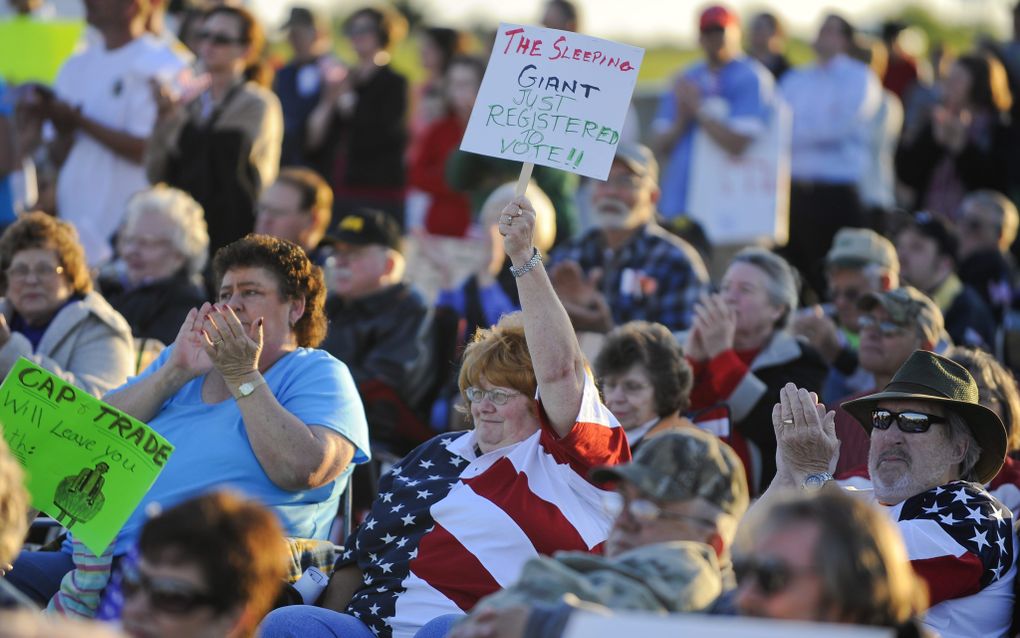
x=111 y=87
x=832 y=106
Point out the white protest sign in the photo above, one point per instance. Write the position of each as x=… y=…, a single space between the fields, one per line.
x=553 y=98
x=743 y=199
x=584 y=624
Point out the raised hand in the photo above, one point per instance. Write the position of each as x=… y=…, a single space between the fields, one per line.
x=805 y=434
x=717 y=326
x=233 y=350
x=189 y=354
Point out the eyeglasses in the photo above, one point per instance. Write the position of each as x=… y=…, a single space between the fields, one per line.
x=910 y=422
x=165 y=595
x=886 y=328
x=497 y=396
x=42 y=272
x=645 y=511
x=218 y=39
x=769 y=574
x=712 y=30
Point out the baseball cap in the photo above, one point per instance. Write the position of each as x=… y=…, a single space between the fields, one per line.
x=908 y=306
x=859 y=247
x=717 y=16
x=640 y=159
x=367 y=227
x=680 y=466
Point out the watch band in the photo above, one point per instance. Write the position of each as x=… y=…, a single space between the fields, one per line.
x=536 y=258
x=816 y=481
x=247 y=388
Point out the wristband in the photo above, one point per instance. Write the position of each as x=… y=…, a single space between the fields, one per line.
x=536 y=258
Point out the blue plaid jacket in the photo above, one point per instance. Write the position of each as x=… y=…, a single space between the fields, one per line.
x=656 y=276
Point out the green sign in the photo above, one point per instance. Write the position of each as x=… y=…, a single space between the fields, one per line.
x=88 y=464
x=33 y=50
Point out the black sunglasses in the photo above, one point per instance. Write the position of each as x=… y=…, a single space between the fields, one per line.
x=218 y=39
x=910 y=422
x=769 y=574
x=168 y=596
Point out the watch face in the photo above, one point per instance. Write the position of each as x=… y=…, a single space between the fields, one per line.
x=246 y=388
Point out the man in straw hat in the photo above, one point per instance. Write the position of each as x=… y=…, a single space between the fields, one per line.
x=932 y=447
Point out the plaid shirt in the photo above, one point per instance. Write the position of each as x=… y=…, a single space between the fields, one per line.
x=656 y=276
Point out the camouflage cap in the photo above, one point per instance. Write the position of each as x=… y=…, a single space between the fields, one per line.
x=908 y=306
x=683 y=465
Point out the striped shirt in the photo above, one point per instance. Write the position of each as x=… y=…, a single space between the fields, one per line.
x=452 y=525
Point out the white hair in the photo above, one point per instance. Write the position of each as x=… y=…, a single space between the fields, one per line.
x=190 y=236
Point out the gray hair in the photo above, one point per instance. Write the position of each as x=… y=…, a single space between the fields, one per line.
x=190 y=237
x=781 y=279
x=959 y=430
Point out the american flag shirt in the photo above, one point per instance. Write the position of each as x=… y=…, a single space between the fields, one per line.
x=960 y=539
x=451 y=525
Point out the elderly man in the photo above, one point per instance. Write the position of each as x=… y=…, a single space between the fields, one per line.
x=933 y=445
x=379 y=327
x=297 y=207
x=892 y=325
x=677 y=505
x=628 y=267
x=860 y=262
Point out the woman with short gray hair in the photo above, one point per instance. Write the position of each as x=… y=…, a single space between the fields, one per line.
x=162 y=247
x=742 y=355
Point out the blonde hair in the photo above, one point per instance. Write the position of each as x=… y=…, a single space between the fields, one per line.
x=545 y=213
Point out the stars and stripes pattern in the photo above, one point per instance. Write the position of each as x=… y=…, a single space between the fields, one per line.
x=451 y=525
x=961 y=541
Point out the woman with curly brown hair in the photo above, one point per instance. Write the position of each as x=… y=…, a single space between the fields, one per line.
x=247 y=400
x=49 y=312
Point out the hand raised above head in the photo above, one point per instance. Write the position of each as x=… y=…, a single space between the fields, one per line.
x=805 y=433
x=517 y=225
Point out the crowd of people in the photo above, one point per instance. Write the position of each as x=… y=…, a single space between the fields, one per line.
x=595 y=410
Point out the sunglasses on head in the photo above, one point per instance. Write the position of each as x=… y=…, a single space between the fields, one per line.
x=769 y=574
x=911 y=422
x=165 y=595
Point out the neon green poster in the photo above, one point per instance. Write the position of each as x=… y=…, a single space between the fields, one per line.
x=88 y=464
x=33 y=50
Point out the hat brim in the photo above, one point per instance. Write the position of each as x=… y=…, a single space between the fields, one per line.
x=640 y=476
x=985 y=425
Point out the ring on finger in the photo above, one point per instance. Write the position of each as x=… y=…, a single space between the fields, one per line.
x=217 y=342
x=787 y=421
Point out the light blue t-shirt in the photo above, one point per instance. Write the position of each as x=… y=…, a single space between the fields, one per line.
x=747 y=88
x=212 y=448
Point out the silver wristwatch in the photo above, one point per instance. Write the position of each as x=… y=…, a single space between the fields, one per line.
x=816 y=481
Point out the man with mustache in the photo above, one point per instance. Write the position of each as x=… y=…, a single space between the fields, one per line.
x=628 y=267
x=379 y=326
x=933 y=446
